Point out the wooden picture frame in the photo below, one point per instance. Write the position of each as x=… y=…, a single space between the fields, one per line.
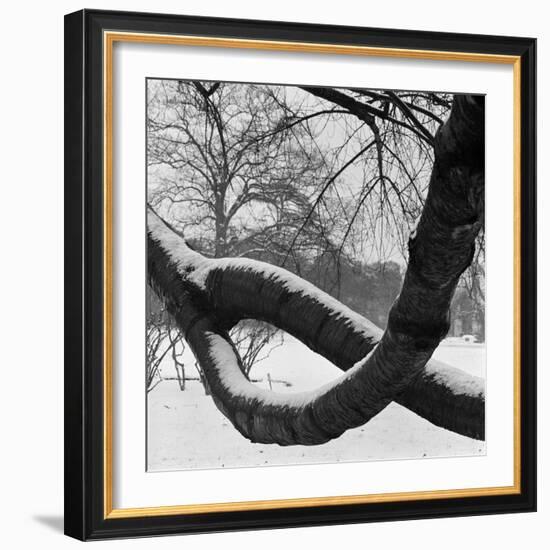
x=90 y=36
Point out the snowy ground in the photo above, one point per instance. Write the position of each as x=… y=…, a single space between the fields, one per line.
x=186 y=430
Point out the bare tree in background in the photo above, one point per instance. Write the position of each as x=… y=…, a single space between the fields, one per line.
x=164 y=340
x=159 y=344
x=216 y=150
x=177 y=347
x=234 y=171
x=251 y=339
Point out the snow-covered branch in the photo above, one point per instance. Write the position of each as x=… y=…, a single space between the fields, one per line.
x=208 y=296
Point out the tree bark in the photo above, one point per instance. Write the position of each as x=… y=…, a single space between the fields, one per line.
x=208 y=296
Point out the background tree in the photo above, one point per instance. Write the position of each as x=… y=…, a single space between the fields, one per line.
x=227 y=169
x=162 y=340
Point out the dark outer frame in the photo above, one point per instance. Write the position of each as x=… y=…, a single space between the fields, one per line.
x=84 y=284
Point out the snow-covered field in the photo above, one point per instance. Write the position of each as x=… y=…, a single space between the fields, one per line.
x=186 y=430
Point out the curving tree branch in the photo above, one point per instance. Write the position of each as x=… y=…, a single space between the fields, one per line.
x=368 y=113
x=208 y=296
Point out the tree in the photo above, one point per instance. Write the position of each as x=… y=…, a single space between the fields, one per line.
x=251 y=339
x=163 y=339
x=214 y=149
x=207 y=296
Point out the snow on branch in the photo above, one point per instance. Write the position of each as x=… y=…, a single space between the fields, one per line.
x=208 y=296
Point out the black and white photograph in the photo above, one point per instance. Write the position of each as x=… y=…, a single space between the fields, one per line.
x=315 y=285
x=300 y=274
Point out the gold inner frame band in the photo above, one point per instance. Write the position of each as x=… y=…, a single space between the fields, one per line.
x=109 y=39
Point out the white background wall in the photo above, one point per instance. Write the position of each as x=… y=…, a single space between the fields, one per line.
x=31 y=318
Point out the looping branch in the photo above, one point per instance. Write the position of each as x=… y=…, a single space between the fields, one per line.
x=208 y=296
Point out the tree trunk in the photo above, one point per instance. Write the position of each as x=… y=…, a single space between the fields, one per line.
x=208 y=296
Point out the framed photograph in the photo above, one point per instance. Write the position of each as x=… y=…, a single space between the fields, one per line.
x=300 y=274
